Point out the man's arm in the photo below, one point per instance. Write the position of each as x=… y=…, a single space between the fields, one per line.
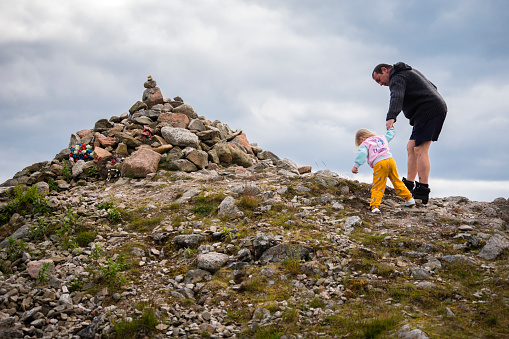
x=397 y=87
x=390 y=123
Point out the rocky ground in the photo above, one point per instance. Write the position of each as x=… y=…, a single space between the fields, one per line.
x=181 y=228
x=237 y=253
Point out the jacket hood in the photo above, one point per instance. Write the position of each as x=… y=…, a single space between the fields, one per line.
x=400 y=66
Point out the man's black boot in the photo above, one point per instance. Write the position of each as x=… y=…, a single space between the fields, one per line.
x=421 y=192
x=409 y=184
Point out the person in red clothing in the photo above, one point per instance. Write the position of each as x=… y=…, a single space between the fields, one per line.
x=426 y=110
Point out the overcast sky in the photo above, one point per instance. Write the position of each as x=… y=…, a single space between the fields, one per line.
x=295 y=76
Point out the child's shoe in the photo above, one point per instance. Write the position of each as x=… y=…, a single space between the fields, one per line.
x=375 y=210
x=410 y=202
x=421 y=192
x=409 y=184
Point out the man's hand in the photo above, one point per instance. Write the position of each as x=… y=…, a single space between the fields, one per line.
x=355 y=170
x=390 y=123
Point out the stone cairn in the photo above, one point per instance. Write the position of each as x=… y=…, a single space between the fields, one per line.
x=155 y=133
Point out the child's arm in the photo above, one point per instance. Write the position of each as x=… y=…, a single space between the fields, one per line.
x=362 y=155
x=389 y=135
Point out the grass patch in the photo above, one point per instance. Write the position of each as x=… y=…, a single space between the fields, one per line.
x=144 y=326
x=206 y=205
x=360 y=321
x=24 y=200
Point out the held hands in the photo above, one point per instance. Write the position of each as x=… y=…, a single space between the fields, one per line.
x=355 y=170
x=390 y=123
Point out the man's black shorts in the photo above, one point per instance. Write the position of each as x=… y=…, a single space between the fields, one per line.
x=428 y=130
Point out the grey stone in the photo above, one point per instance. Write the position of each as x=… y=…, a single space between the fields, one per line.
x=288 y=165
x=494 y=247
x=187 y=110
x=227 y=208
x=351 y=223
x=180 y=137
x=188 y=240
x=212 y=261
x=326 y=178
x=406 y=333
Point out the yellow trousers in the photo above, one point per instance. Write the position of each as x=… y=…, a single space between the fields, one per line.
x=382 y=170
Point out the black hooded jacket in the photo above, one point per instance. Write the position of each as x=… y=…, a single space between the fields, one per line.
x=413 y=94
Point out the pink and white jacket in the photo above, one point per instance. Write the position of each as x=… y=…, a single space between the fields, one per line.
x=374 y=149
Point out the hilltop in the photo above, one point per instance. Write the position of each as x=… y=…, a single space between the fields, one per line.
x=173 y=226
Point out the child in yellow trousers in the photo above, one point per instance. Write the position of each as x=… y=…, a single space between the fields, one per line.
x=375 y=149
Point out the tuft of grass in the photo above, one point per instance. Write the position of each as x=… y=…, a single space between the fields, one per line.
x=84 y=238
x=205 y=205
x=138 y=328
x=24 y=201
x=316 y=303
x=292 y=265
x=364 y=322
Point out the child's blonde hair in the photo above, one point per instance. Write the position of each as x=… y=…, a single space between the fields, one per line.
x=362 y=133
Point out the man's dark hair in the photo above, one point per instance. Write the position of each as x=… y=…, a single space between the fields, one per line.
x=378 y=68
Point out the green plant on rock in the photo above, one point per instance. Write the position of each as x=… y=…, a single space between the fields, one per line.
x=15 y=248
x=97 y=253
x=227 y=234
x=205 y=205
x=114 y=215
x=67 y=228
x=44 y=274
x=110 y=273
x=40 y=230
x=143 y=326
x=75 y=285
x=67 y=172
x=105 y=205
x=93 y=172
x=53 y=186
x=24 y=201
x=189 y=252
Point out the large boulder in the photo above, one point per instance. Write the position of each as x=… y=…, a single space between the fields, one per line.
x=174 y=119
x=239 y=157
x=187 y=110
x=180 y=137
x=242 y=139
x=212 y=261
x=137 y=106
x=182 y=165
x=140 y=163
x=494 y=247
x=199 y=158
x=288 y=165
x=223 y=153
x=197 y=125
x=102 y=125
x=152 y=96
x=327 y=178
x=268 y=155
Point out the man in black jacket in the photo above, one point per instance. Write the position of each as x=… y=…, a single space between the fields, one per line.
x=421 y=103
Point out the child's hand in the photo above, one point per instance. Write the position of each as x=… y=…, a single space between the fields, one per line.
x=355 y=170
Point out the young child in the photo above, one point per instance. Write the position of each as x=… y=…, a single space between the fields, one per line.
x=375 y=149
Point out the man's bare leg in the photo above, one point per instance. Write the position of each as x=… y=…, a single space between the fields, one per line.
x=423 y=163
x=412 y=161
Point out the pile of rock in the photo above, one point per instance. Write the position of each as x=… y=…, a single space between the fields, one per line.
x=156 y=132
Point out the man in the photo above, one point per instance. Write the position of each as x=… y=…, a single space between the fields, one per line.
x=421 y=103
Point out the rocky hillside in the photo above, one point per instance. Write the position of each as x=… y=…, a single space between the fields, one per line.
x=173 y=226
